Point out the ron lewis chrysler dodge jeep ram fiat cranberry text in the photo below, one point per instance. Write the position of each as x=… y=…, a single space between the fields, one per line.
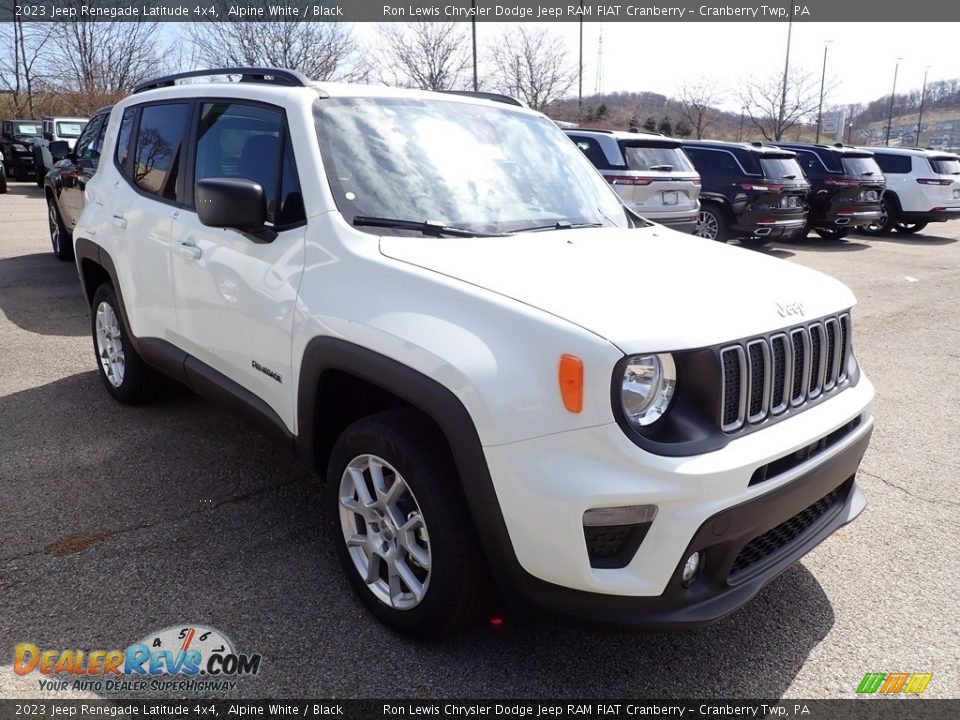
x=508 y=380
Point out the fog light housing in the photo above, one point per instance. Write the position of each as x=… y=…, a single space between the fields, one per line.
x=691 y=568
x=614 y=534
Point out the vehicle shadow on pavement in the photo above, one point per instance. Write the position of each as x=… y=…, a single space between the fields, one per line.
x=27 y=188
x=817 y=244
x=900 y=239
x=126 y=520
x=41 y=294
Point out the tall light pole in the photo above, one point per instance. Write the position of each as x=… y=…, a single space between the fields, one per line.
x=473 y=28
x=740 y=135
x=823 y=79
x=580 y=70
x=923 y=95
x=896 y=69
x=786 y=72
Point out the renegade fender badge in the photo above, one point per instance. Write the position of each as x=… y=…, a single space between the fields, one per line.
x=266 y=371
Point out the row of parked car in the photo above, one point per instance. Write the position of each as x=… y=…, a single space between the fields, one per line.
x=756 y=192
x=32 y=147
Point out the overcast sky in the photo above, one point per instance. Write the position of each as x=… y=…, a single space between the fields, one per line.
x=656 y=56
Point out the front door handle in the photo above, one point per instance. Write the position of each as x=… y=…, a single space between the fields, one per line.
x=119 y=220
x=188 y=250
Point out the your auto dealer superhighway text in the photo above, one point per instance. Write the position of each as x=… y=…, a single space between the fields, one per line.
x=533 y=12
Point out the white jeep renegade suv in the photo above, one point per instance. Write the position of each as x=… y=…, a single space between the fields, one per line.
x=507 y=379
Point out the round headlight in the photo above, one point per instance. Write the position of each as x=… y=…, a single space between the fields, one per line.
x=647 y=389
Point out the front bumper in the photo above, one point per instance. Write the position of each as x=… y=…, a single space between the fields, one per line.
x=705 y=503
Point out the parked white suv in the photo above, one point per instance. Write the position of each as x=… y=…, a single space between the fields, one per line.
x=923 y=186
x=507 y=379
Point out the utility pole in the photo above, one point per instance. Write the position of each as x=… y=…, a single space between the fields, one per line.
x=473 y=28
x=923 y=95
x=823 y=79
x=740 y=134
x=786 y=72
x=896 y=69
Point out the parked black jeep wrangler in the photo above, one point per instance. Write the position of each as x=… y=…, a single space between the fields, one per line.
x=16 y=145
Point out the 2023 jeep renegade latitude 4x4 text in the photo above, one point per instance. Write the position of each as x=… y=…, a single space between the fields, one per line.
x=507 y=380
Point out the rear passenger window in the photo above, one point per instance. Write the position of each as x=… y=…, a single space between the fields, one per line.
x=591 y=148
x=714 y=162
x=237 y=140
x=123 y=138
x=893 y=164
x=157 y=154
x=810 y=163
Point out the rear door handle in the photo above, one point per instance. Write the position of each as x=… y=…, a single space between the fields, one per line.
x=119 y=220
x=188 y=250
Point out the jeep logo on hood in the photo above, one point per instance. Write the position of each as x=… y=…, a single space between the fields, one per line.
x=790 y=309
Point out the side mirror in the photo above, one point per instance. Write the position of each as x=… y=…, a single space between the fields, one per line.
x=59 y=150
x=235 y=203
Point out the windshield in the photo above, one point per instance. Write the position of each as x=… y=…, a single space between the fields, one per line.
x=781 y=168
x=656 y=158
x=26 y=128
x=486 y=169
x=70 y=129
x=946 y=165
x=861 y=167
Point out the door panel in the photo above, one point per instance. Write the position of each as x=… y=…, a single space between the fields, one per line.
x=235 y=296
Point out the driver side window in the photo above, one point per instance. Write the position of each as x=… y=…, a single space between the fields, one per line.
x=84 y=151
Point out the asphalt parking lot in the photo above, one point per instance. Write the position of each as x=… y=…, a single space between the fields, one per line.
x=117 y=521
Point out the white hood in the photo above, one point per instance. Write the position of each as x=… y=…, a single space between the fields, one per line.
x=646 y=289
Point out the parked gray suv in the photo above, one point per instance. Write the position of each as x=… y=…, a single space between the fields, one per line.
x=650 y=172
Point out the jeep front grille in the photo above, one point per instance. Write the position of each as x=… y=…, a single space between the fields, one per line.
x=770 y=375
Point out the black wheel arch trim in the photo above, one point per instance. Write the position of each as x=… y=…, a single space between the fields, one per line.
x=324 y=354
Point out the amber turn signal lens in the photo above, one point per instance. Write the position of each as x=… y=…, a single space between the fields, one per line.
x=571 y=382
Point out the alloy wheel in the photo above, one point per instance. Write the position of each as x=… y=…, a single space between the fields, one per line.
x=707 y=226
x=385 y=533
x=110 y=345
x=54 y=227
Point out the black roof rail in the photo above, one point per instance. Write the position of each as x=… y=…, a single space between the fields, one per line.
x=272 y=76
x=495 y=97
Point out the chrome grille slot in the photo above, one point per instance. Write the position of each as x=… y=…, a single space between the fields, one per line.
x=782 y=374
x=758 y=355
x=734 y=388
x=817 y=352
x=775 y=375
x=832 y=355
x=844 y=346
x=801 y=365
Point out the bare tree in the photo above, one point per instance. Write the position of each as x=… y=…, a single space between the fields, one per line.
x=321 y=51
x=532 y=64
x=698 y=100
x=426 y=55
x=19 y=66
x=763 y=101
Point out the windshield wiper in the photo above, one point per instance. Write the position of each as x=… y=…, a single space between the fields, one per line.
x=427 y=227
x=558 y=225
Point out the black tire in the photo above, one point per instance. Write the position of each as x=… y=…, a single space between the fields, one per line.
x=887 y=221
x=755 y=242
x=20 y=172
x=60 y=238
x=909 y=228
x=3 y=183
x=832 y=233
x=456 y=586
x=137 y=382
x=712 y=223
